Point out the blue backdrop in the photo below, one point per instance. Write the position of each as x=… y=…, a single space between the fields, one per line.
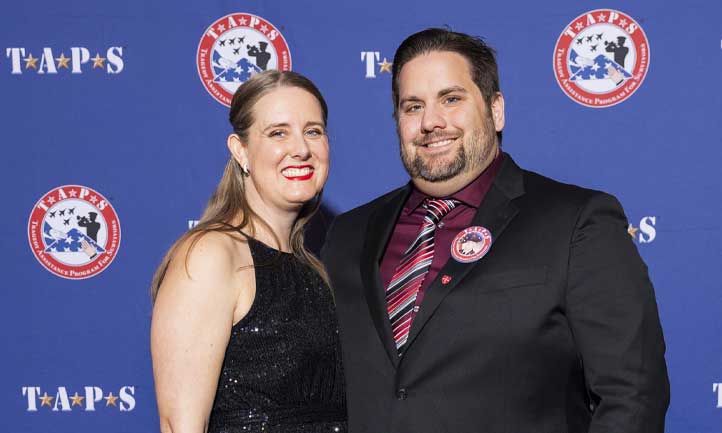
x=104 y=101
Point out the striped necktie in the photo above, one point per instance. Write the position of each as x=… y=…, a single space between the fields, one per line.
x=409 y=274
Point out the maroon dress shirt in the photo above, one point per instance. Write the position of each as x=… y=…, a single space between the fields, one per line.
x=412 y=215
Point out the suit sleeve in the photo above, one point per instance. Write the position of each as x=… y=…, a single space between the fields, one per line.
x=613 y=316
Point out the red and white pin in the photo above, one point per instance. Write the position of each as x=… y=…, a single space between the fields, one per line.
x=471 y=244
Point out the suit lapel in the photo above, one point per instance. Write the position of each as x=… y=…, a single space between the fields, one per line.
x=380 y=227
x=494 y=213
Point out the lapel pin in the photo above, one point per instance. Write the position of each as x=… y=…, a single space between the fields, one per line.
x=445 y=279
x=471 y=244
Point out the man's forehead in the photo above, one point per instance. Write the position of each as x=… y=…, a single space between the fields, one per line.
x=434 y=71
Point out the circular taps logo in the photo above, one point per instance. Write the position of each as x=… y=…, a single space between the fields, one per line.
x=236 y=47
x=74 y=232
x=601 y=58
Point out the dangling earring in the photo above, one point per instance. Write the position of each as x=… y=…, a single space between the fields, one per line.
x=244 y=169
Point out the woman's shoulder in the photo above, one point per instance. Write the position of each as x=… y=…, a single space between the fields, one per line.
x=213 y=248
x=210 y=259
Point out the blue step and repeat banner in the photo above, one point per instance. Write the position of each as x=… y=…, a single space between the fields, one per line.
x=114 y=122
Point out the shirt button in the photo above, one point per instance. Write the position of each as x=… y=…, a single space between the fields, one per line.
x=440 y=225
x=401 y=394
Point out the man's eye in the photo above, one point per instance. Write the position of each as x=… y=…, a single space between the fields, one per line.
x=452 y=99
x=278 y=133
x=412 y=108
x=314 y=132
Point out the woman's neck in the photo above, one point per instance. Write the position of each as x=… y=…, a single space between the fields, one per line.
x=279 y=223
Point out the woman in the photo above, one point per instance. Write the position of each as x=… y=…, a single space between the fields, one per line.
x=244 y=335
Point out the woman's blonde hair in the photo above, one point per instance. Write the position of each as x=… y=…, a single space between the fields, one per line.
x=228 y=201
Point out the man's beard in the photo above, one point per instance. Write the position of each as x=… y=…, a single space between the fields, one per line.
x=469 y=156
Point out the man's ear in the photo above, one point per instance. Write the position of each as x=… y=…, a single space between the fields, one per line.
x=497 y=111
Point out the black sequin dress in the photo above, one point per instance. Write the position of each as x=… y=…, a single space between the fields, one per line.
x=282 y=370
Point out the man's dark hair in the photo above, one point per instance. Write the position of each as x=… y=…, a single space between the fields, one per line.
x=481 y=58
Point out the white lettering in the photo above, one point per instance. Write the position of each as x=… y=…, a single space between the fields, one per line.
x=79 y=56
x=32 y=394
x=115 y=60
x=371 y=58
x=61 y=398
x=15 y=54
x=613 y=16
x=127 y=399
x=254 y=21
x=47 y=62
x=716 y=387
x=647 y=229
x=93 y=394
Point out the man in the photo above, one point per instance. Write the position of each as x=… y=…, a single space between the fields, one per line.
x=482 y=297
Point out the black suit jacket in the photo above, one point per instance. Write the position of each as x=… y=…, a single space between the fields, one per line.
x=555 y=330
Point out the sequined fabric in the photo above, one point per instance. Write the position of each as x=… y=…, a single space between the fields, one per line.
x=282 y=370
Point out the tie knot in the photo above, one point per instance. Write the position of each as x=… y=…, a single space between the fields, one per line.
x=438 y=208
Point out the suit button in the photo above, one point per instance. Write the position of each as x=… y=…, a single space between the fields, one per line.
x=401 y=394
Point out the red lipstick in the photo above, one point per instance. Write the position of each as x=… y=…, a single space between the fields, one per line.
x=298 y=172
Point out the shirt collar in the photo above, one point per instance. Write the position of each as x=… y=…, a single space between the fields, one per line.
x=471 y=195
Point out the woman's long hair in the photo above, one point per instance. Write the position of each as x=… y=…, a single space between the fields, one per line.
x=228 y=201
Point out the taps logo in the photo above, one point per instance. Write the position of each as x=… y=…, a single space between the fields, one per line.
x=236 y=47
x=74 y=232
x=89 y=400
x=646 y=232
x=48 y=62
x=601 y=58
x=371 y=61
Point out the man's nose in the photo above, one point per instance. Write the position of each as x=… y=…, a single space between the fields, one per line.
x=432 y=119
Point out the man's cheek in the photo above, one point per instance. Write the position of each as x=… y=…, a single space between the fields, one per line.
x=408 y=127
x=408 y=138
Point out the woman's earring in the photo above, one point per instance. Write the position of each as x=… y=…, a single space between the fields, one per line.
x=244 y=169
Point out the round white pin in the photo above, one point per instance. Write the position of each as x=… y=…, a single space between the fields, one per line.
x=471 y=244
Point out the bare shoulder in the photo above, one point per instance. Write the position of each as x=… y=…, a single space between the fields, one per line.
x=211 y=251
x=207 y=264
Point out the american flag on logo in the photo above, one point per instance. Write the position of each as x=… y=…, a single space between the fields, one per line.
x=226 y=70
x=583 y=68
x=61 y=242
